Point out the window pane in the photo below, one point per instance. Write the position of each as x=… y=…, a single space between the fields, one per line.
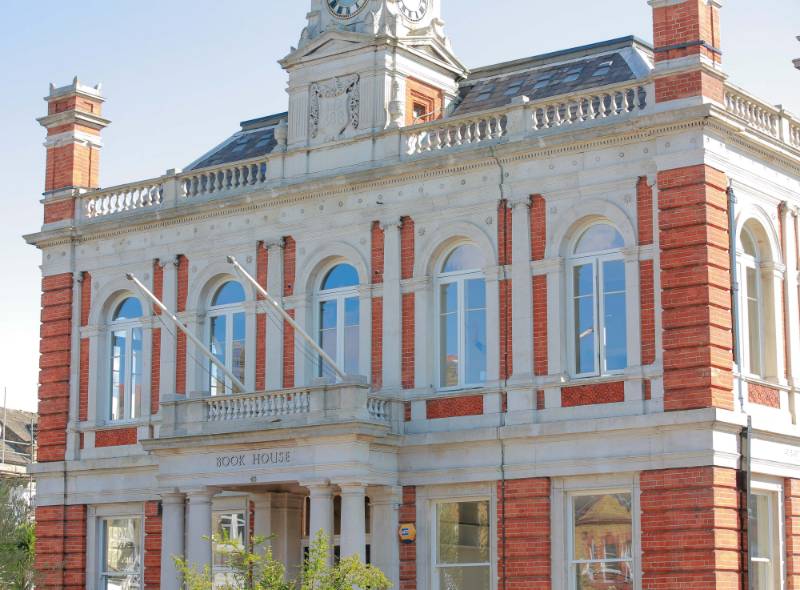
x=603 y=576
x=762 y=545
x=122 y=551
x=603 y=528
x=119 y=347
x=465 y=578
x=599 y=238
x=475 y=331
x=129 y=309
x=137 y=372
x=229 y=293
x=340 y=276
x=748 y=244
x=448 y=333
x=229 y=532
x=584 y=305
x=218 y=332
x=327 y=334
x=238 y=345
x=463 y=533
x=753 y=321
x=763 y=575
x=615 y=317
x=351 y=323
x=466 y=257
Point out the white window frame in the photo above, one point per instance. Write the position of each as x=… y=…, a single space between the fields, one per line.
x=130 y=413
x=101 y=547
x=218 y=570
x=774 y=491
x=570 y=532
x=226 y=311
x=434 y=538
x=596 y=260
x=340 y=295
x=753 y=263
x=460 y=278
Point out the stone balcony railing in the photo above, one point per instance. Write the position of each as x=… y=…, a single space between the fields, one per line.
x=773 y=121
x=293 y=408
x=522 y=120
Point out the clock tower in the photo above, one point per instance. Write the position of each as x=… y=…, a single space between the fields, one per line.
x=362 y=66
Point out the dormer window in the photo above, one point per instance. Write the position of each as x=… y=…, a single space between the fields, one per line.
x=603 y=69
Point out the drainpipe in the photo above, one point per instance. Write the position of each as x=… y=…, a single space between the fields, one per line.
x=746 y=434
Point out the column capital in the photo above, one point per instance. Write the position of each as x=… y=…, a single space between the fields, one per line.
x=520 y=202
x=391 y=223
x=318 y=488
x=271 y=245
x=200 y=495
x=173 y=497
x=352 y=489
x=385 y=495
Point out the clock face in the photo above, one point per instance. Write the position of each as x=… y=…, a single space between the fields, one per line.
x=345 y=9
x=415 y=10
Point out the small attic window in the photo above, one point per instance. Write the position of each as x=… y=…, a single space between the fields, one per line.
x=485 y=95
x=603 y=69
x=543 y=81
x=514 y=89
x=573 y=74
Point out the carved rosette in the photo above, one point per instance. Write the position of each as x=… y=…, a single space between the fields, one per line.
x=335 y=107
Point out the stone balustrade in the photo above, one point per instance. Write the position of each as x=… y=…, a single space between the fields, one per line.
x=129 y=197
x=257 y=406
x=291 y=408
x=518 y=121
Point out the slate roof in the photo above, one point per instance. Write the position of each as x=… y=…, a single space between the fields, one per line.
x=18 y=436
x=552 y=74
x=256 y=138
x=538 y=77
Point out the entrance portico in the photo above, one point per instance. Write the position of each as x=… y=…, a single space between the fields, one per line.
x=286 y=491
x=359 y=519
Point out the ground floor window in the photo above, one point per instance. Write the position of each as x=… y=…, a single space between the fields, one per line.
x=765 y=541
x=601 y=542
x=121 y=543
x=230 y=534
x=462 y=559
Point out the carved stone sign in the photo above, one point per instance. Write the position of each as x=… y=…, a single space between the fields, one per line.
x=335 y=106
x=254 y=459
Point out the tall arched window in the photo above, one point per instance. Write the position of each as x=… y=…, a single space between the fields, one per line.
x=227 y=336
x=752 y=298
x=461 y=292
x=339 y=319
x=598 y=312
x=126 y=360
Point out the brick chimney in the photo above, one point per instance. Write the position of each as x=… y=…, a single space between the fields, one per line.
x=73 y=124
x=686 y=40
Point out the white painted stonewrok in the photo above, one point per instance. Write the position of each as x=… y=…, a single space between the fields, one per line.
x=346 y=163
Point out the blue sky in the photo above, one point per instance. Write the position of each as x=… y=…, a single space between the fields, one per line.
x=180 y=75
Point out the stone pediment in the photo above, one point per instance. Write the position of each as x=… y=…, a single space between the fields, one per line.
x=329 y=44
x=435 y=51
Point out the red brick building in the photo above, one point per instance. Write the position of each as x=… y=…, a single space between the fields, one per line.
x=556 y=291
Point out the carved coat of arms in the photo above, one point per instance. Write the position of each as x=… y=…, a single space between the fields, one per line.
x=335 y=106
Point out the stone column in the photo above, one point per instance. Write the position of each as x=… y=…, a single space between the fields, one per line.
x=172 y=538
x=354 y=525
x=285 y=524
x=198 y=528
x=321 y=517
x=385 y=526
x=262 y=526
x=391 y=306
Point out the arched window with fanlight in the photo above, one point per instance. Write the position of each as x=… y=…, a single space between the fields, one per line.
x=227 y=336
x=339 y=319
x=461 y=293
x=127 y=362
x=598 y=302
x=751 y=296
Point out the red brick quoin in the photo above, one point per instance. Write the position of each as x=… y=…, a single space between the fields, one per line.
x=690 y=529
x=61 y=547
x=152 y=545
x=791 y=490
x=408 y=551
